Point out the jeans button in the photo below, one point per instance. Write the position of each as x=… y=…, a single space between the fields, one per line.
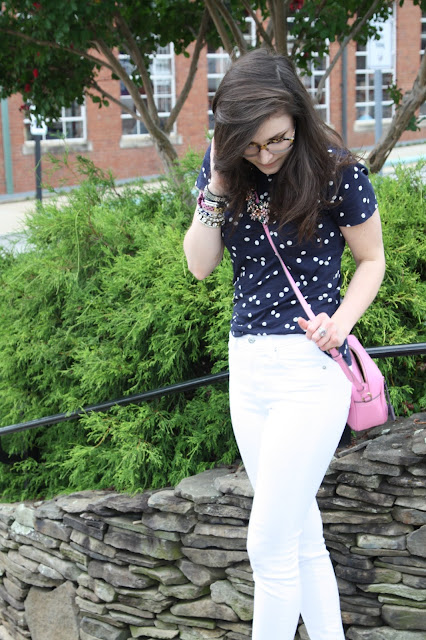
x=251 y=339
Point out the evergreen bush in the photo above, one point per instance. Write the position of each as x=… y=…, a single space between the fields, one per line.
x=101 y=305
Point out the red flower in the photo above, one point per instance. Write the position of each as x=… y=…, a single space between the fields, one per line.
x=27 y=88
x=37 y=5
x=35 y=73
x=296 y=4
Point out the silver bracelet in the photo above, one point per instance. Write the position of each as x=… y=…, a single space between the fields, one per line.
x=210 y=219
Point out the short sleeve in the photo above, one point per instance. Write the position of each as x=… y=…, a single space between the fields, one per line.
x=204 y=175
x=356 y=201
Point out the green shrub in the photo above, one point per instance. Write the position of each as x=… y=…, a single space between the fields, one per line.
x=101 y=305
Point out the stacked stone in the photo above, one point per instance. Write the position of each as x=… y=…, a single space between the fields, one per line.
x=173 y=563
x=100 y=565
x=373 y=505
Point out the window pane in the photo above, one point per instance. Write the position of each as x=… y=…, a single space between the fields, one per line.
x=128 y=126
x=162 y=82
x=365 y=100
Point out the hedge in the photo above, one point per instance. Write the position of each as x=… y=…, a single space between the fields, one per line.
x=101 y=305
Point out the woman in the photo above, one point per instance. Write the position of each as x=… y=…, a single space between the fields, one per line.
x=274 y=159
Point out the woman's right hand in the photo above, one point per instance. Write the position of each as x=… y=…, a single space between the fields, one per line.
x=216 y=184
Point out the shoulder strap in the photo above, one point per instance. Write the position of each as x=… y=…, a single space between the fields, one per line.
x=336 y=355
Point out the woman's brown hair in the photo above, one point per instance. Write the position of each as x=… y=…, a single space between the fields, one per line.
x=259 y=85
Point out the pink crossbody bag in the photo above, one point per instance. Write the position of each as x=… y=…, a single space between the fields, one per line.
x=368 y=407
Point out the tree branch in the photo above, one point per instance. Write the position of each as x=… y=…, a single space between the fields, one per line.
x=235 y=30
x=411 y=101
x=259 y=26
x=137 y=58
x=112 y=98
x=53 y=45
x=119 y=70
x=199 y=44
x=356 y=28
x=279 y=13
x=220 y=28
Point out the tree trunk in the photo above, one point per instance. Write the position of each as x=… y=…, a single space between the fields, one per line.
x=411 y=101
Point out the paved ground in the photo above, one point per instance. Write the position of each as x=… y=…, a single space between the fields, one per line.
x=13 y=210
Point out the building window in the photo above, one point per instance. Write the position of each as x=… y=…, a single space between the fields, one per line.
x=422 y=52
x=162 y=73
x=364 y=101
x=71 y=125
x=311 y=82
x=218 y=62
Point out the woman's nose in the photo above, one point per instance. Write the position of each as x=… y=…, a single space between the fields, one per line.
x=265 y=156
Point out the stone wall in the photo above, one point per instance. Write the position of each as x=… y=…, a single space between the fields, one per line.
x=173 y=563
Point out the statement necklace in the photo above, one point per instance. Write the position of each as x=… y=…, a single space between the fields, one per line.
x=256 y=208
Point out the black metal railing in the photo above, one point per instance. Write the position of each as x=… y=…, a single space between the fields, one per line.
x=418 y=348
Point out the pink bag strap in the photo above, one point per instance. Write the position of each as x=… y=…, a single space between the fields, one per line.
x=336 y=355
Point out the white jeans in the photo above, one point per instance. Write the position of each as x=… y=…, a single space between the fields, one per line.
x=289 y=404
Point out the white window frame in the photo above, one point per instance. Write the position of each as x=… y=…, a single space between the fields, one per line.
x=423 y=52
x=310 y=81
x=157 y=79
x=223 y=61
x=367 y=121
x=49 y=138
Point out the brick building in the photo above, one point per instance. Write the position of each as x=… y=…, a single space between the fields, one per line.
x=116 y=141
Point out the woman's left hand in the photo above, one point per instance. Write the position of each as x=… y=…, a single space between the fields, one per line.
x=323 y=331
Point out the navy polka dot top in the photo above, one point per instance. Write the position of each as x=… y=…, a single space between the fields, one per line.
x=264 y=302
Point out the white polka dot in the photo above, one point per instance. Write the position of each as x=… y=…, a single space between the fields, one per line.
x=289 y=243
x=277 y=315
x=287 y=326
x=268 y=295
x=360 y=188
x=346 y=186
x=246 y=239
